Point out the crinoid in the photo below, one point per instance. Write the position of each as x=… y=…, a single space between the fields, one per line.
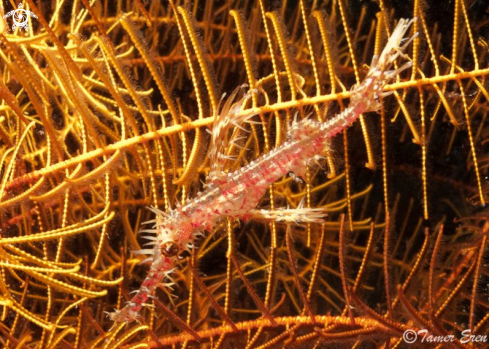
x=104 y=112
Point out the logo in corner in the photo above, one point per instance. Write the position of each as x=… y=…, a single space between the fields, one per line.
x=20 y=17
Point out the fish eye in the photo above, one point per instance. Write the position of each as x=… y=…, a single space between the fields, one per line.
x=169 y=249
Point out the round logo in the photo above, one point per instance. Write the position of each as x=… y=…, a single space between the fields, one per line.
x=20 y=17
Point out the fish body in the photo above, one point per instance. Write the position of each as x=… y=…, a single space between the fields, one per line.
x=234 y=195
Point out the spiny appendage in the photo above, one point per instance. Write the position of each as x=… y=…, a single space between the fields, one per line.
x=300 y=214
x=177 y=229
x=365 y=97
x=167 y=238
x=231 y=115
x=393 y=49
x=379 y=73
